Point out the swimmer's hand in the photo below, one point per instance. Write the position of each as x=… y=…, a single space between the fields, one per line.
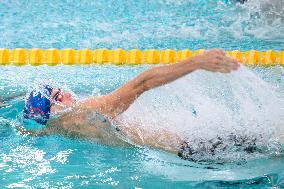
x=215 y=60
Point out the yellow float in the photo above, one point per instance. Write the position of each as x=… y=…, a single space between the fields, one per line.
x=53 y=57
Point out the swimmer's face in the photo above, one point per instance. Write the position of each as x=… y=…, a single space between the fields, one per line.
x=61 y=97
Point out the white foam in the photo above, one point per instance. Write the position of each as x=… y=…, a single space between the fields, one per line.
x=265 y=18
x=240 y=102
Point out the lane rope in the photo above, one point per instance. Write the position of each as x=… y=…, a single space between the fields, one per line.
x=53 y=57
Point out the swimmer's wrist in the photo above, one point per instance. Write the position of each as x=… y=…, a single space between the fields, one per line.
x=193 y=63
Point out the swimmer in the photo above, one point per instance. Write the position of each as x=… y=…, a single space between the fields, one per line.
x=56 y=111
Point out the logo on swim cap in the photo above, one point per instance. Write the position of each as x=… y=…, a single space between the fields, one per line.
x=38 y=105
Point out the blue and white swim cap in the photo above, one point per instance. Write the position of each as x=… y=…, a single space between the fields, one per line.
x=38 y=103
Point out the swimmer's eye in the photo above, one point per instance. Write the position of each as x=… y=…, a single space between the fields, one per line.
x=58 y=97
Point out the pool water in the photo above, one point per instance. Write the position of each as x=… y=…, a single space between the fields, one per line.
x=249 y=101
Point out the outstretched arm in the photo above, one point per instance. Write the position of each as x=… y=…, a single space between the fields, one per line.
x=118 y=101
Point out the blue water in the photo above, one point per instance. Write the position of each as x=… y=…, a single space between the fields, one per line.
x=60 y=162
x=141 y=24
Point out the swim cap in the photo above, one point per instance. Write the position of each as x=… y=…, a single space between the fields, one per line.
x=38 y=105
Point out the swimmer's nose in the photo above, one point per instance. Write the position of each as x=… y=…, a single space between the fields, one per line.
x=68 y=95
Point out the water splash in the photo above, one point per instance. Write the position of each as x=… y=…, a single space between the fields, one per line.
x=264 y=18
x=203 y=106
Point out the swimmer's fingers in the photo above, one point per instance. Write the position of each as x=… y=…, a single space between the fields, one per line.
x=219 y=69
x=218 y=52
x=227 y=63
x=230 y=61
x=225 y=70
x=215 y=60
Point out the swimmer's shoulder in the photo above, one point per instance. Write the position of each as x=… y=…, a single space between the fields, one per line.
x=90 y=103
x=66 y=118
x=76 y=115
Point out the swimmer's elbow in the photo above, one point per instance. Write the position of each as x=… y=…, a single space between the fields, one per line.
x=148 y=81
x=139 y=84
x=150 y=84
x=144 y=86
